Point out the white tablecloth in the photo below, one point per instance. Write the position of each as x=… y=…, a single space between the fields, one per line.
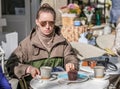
x=57 y=84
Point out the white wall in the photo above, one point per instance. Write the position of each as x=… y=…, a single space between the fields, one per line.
x=19 y=23
x=34 y=8
x=2 y=21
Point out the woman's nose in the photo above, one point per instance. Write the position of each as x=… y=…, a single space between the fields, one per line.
x=47 y=25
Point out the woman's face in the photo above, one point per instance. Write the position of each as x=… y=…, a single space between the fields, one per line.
x=45 y=22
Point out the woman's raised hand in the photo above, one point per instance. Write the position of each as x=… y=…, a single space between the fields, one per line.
x=69 y=66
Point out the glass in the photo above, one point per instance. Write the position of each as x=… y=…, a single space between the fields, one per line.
x=13 y=7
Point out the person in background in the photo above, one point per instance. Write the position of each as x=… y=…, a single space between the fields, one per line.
x=45 y=46
x=115 y=11
x=4 y=84
x=116 y=46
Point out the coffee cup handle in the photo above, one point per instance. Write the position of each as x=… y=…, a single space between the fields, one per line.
x=38 y=77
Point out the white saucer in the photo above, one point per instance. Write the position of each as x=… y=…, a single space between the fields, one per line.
x=53 y=77
x=104 y=78
x=63 y=78
x=37 y=81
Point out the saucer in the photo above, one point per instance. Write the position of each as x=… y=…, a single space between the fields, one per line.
x=63 y=78
x=38 y=81
x=53 y=77
x=104 y=78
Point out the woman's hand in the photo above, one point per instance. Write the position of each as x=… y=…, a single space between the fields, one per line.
x=69 y=66
x=33 y=71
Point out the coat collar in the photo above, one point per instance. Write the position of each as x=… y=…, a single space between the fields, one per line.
x=37 y=43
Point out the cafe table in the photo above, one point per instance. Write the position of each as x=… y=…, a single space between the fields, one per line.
x=62 y=83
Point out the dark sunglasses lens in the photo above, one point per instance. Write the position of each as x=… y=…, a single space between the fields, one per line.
x=51 y=23
x=44 y=23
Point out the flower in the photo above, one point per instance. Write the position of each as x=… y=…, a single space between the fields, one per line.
x=89 y=10
x=71 y=8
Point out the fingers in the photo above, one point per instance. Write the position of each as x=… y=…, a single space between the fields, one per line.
x=34 y=71
x=69 y=66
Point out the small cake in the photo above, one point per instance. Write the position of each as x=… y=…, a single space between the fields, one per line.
x=72 y=75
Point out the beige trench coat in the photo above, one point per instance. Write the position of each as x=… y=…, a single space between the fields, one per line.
x=32 y=49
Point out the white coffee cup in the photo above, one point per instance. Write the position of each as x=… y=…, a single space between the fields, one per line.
x=99 y=71
x=45 y=72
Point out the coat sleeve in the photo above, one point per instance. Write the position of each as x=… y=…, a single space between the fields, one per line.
x=15 y=64
x=70 y=56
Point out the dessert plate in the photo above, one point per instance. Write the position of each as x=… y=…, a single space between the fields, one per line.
x=63 y=78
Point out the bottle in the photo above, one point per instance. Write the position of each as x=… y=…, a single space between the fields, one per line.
x=98 y=16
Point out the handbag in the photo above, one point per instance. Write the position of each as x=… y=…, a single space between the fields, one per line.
x=24 y=82
x=107 y=64
x=114 y=81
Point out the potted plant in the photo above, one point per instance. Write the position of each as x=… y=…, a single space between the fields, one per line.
x=69 y=13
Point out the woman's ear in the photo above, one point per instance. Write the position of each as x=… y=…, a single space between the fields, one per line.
x=37 y=22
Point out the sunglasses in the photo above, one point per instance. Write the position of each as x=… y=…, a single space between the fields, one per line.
x=44 y=23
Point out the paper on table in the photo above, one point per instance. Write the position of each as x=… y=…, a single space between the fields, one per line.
x=85 y=50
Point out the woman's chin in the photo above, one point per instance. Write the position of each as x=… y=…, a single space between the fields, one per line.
x=47 y=33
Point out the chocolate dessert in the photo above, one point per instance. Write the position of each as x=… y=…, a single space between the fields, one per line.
x=72 y=75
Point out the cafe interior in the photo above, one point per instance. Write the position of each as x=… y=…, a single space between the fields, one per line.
x=87 y=25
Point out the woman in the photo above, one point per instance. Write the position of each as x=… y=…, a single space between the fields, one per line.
x=4 y=84
x=115 y=11
x=116 y=46
x=45 y=46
